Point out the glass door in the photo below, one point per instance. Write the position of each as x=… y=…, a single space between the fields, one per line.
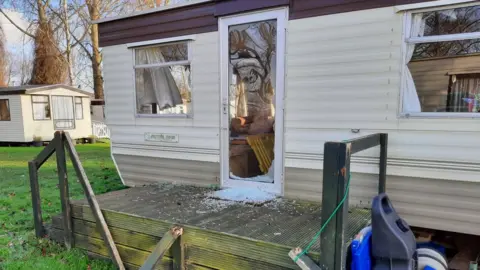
x=252 y=75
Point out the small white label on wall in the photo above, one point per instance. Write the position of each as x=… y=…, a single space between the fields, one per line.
x=161 y=137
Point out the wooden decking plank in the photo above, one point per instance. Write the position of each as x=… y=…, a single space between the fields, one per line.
x=161 y=248
x=193 y=266
x=129 y=255
x=124 y=237
x=128 y=266
x=257 y=250
x=217 y=218
x=206 y=257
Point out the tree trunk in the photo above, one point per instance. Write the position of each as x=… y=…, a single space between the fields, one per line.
x=68 y=48
x=3 y=61
x=94 y=11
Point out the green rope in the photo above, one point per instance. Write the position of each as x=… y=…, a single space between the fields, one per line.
x=315 y=238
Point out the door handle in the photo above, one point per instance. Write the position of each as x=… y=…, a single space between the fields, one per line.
x=225 y=107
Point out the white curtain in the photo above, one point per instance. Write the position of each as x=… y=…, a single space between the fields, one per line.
x=411 y=102
x=157 y=84
x=63 y=112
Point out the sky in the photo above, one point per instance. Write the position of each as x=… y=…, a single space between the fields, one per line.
x=15 y=38
x=21 y=45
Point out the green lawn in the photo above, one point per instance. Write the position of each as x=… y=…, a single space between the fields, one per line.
x=19 y=249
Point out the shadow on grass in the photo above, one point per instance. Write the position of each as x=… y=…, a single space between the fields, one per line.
x=19 y=249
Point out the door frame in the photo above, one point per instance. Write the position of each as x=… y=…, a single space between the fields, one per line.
x=281 y=15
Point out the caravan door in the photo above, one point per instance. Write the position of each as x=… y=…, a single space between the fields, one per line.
x=252 y=72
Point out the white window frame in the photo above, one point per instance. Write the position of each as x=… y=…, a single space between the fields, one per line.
x=441 y=38
x=75 y=109
x=37 y=102
x=162 y=42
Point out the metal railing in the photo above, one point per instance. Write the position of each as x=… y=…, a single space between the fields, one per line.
x=100 y=130
x=58 y=145
x=336 y=177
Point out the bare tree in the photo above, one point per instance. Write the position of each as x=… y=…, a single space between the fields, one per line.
x=96 y=9
x=49 y=64
x=3 y=61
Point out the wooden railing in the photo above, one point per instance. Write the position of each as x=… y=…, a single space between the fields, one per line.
x=58 y=145
x=336 y=177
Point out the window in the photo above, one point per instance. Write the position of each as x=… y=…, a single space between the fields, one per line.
x=4 y=110
x=442 y=74
x=163 y=80
x=78 y=108
x=63 y=112
x=41 y=107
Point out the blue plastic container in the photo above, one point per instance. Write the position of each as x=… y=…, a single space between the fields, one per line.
x=361 y=250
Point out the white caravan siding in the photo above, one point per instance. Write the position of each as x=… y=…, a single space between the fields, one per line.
x=142 y=161
x=11 y=131
x=45 y=128
x=344 y=73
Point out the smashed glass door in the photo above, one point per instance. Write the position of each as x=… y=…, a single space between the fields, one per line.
x=251 y=100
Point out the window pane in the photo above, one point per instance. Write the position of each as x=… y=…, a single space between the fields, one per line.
x=440 y=89
x=41 y=111
x=62 y=108
x=451 y=21
x=162 y=54
x=163 y=90
x=40 y=98
x=4 y=110
x=446 y=49
x=78 y=111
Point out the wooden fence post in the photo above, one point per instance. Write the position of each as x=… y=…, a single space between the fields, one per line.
x=336 y=170
x=36 y=202
x=178 y=253
x=92 y=201
x=64 y=191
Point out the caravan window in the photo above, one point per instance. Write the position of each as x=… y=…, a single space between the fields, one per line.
x=442 y=71
x=78 y=108
x=41 y=107
x=163 y=79
x=4 y=110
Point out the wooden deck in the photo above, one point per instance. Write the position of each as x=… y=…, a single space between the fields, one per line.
x=217 y=234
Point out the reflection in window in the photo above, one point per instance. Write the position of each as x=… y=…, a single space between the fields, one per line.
x=443 y=76
x=4 y=110
x=41 y=107
x=163 y=79
x=78 y=108
x=252 y=70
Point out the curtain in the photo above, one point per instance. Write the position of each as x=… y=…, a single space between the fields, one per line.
x=63 y=114
x=411 y=102
x=157 y=84
x=4 y=110
x=465 y=95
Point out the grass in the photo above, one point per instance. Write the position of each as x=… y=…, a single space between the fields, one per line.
x=19 y=249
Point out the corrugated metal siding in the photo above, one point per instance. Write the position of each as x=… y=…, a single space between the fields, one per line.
x=306 y=184
x=140 y=170
x=198 y=136
x=311 y=8
x=347 y=76
x=12 y=131
x=192 y=19
x=430 y=203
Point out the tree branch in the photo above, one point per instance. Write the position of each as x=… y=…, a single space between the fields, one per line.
x=77 y=40
x=16 y=25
